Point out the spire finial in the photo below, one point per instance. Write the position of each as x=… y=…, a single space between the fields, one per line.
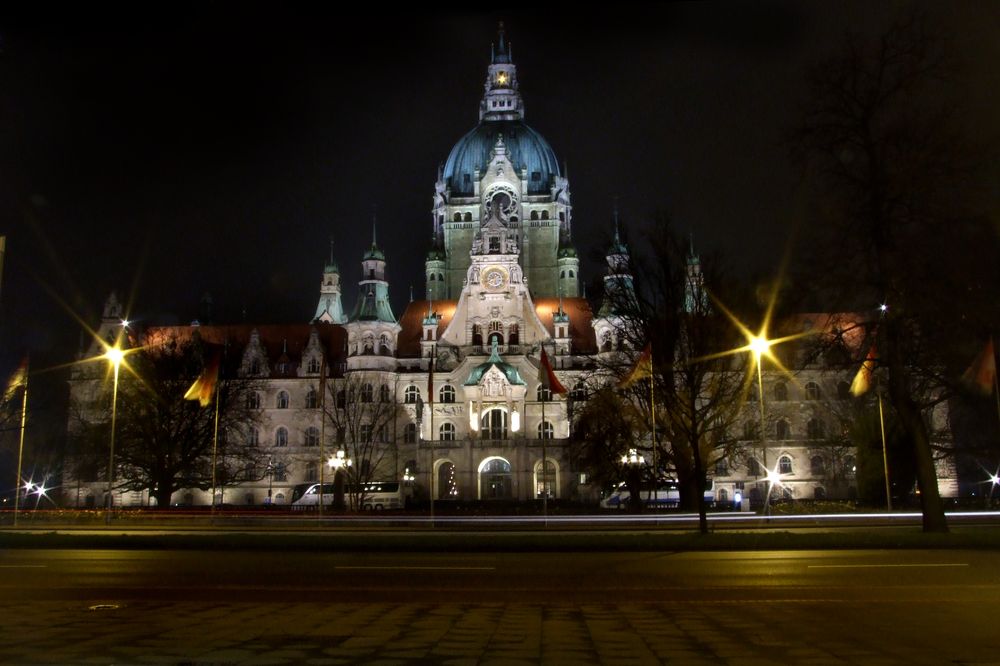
x=374 y=221
x=411 y=293
x=616 y=221
x=331 y=248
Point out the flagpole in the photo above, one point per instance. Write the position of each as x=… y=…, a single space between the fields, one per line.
x=545 y=486
x=652 y=413
x=885 y=456
x=430 y=434
x=322 y=429
x=215 y=445
x=20 y=445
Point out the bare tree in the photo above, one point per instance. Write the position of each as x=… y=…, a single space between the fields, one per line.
x=361 y=410
x=882 y=144
x=164 y=442
x=698 y=388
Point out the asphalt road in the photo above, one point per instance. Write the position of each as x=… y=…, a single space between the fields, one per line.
x=792 y=607
x=919 y=576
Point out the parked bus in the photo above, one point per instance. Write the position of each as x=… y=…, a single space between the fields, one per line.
x=666 y=496
x=377 y=495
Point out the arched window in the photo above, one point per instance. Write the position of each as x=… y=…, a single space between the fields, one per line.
x=282 y=400
x=313 y=366
x=312 y=436
x=781 y=391
x=468 y=217
x=546 y=479
x=817 y=466
x=843 y=391
x=545 y=430
x=383 y=345
x=494 y=424
x=433 y=277
x=545 y=214
x=384 y=394
x=458 y=217
x=785 y=465
x=312 y=472
x=280 y=474
x=341 y=399
x=367 y=393
x=410 y=433
x=534 y=215
x=447 y=393
x=447 y=432
x=606 y=341
x=753 y=467
x=782 y=430
x=253 y=400
x=281 y=437
x=572 y=274
x=579 y=391
x=253 y=436
x=750 y=430
x=495 y=333
x=815 y=429
x=411 y=394
x=513 y=334
x=723 y=495
x=562 y=274
x=311 y=398
x=812 y=391
x=477 y=335
x=440 y=277
x=543 y=394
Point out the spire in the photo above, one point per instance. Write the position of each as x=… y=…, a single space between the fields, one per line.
x=411 y=293
x=500 y=54
x=502 y=100
x=374 y=222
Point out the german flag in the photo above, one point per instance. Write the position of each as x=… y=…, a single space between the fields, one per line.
x=203 y=388
x=643 y=368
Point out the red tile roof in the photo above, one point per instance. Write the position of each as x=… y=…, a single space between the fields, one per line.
x=412 y=324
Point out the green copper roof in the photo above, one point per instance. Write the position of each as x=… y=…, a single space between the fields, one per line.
x=509 y=371
x=374 y=253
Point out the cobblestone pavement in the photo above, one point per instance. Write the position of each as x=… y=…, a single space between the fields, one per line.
x=199 y=634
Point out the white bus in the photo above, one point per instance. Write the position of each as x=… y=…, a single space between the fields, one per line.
x=377 y=495
x=666 y=496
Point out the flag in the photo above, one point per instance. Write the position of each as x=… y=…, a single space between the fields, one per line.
x=17 y=380
x=430 y=380
x=982 y=374
x=642 y=369
x=863 y=380
x=547 y=378
x=204 y=387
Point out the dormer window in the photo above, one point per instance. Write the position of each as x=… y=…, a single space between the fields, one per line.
x=494 y=244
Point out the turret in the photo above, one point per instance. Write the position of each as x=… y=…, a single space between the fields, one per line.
x=501 y=98
x=330 y=309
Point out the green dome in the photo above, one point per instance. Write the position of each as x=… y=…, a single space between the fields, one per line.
x=526 y=149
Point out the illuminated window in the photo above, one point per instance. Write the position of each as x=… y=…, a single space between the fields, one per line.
x=312 y=436
x=782 y=430
x=253 y=400
x=545 y=430
x=253 y=437
x=311 y=398
x=367 y=393
x=447 y=432
x=494 y=424
x=784 y=465
x=411 y=394
x=282 y=400
x=281 y=437
x=447 y=393
x=313 y=366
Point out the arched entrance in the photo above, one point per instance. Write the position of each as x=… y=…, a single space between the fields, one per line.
x=447 y=483
x=495 y=479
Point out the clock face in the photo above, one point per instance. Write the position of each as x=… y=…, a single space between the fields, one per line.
x=495 y=278
x=502 y=78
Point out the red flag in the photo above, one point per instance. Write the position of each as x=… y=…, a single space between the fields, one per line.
x=982 y=374
x=642 y=369
x=863 y=380
x=547 y=378
x=204 y=387
x=17 y=380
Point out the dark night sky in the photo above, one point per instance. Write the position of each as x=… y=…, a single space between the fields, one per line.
x=216 y=147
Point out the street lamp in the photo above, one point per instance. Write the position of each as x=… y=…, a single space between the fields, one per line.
x=338 y=462
x=633 y=463
x=114 y=355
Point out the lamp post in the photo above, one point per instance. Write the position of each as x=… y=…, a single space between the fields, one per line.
x=339 y=462
x=760 y=345
x=633 y=463
x=114 y=355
